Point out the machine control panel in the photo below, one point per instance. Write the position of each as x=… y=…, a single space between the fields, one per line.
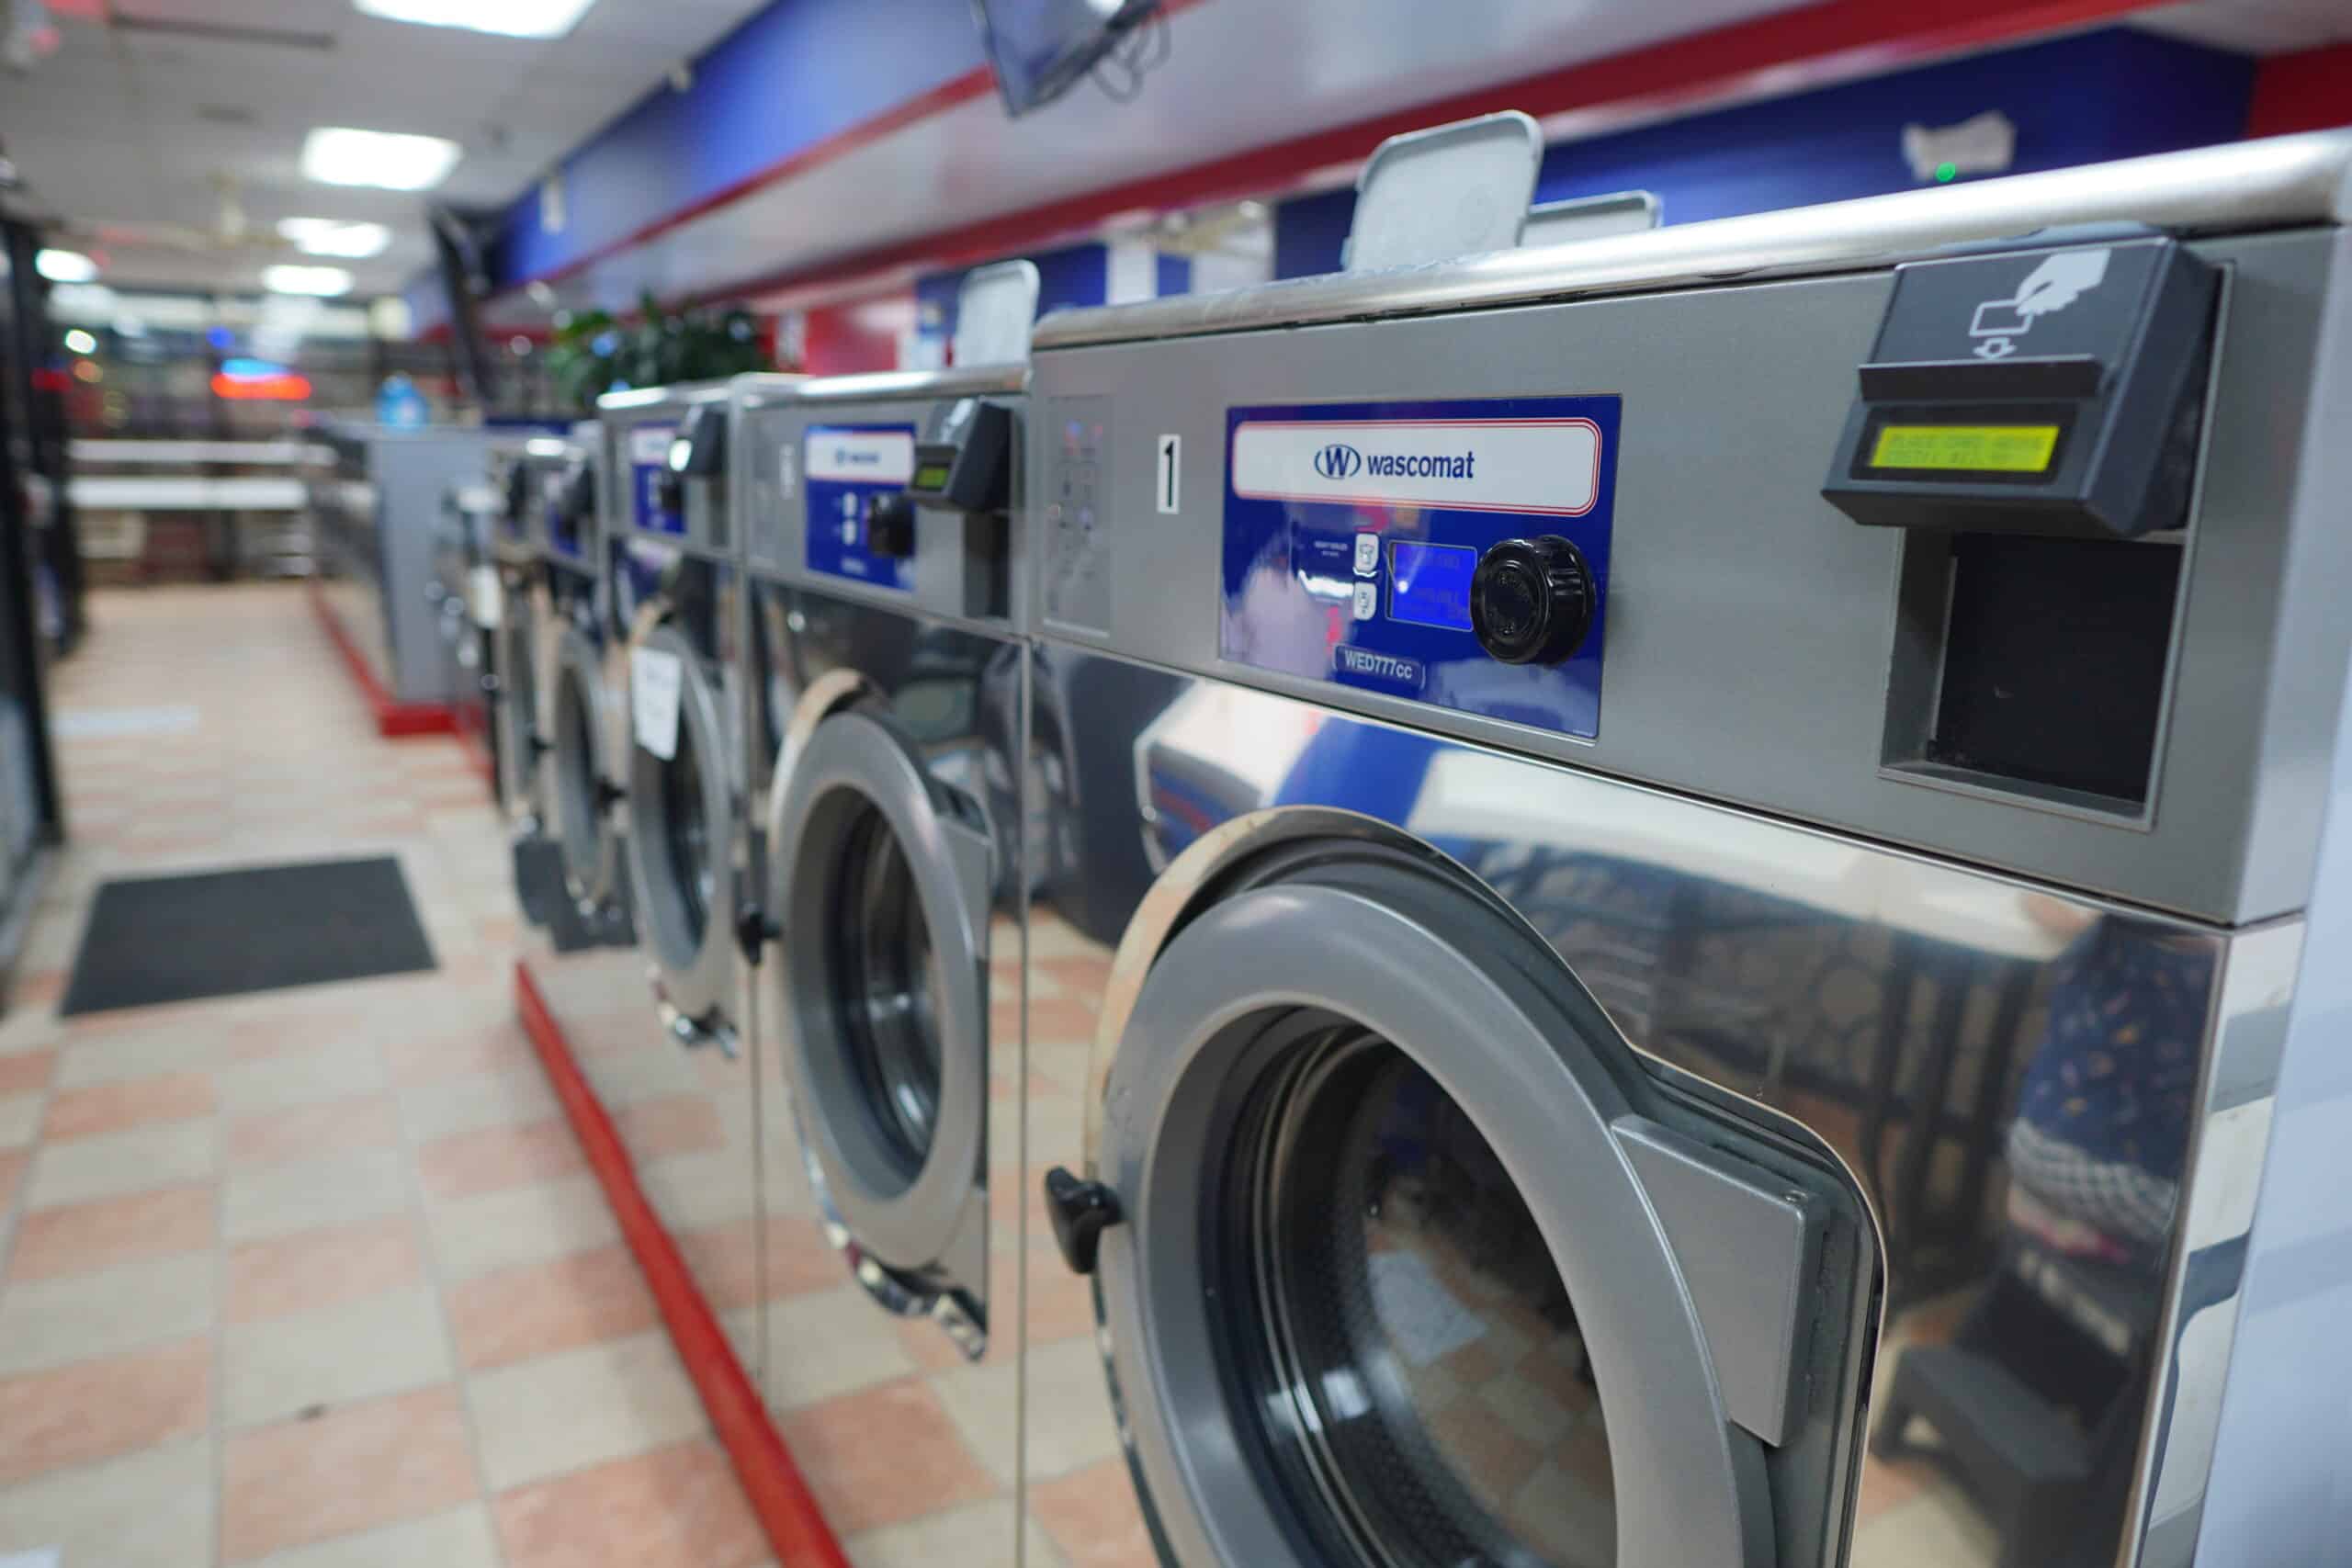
x=1451 y=552
x=572 y=508
x=2048 y=391
x=655 y=503
x=860 y=521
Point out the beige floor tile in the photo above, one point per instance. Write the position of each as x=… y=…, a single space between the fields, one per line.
x=170 y=1154
x=90 y=1516
x=272 y=1199
x=1937 y=1529
x=694 y=1192
x=1069 y=1416
x=628 y=1077
x=45 y=1323
x=476 y=1101
x=137 y=1051
x=978 y=1535
x=980 y=1400
x=332 y=1069
x=829 y=1342
x=20 y=1118
x=380 y=1344
x=523 y=1224
x=580 y=1407
x=461 y=1538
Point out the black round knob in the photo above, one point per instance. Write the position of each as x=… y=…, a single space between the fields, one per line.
x=1532 y=600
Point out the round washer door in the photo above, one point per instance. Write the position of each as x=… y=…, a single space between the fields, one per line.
x=1386 y=1288
x=680 y=842
x=575 y=781
x=520 y=738
x=881 y=874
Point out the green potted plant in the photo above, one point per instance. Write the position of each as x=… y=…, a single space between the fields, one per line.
x=594 y=352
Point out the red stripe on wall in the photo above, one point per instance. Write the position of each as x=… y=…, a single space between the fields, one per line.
x=2310 y=91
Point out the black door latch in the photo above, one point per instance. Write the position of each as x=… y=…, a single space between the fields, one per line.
x=1081 y=1211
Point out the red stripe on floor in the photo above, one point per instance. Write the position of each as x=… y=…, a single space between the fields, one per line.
x=787 y=1511
x=393 y=719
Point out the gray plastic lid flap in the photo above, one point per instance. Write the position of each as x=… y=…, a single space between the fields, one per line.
x=1450 y=191
x=994 y=310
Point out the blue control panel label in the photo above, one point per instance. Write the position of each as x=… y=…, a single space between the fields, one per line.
x=845 y=468
x=1353 y=532
x=648 y=459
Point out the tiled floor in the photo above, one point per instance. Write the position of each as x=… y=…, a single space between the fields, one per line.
x=317 y=1279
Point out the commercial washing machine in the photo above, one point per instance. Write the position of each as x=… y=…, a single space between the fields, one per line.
x=463 y=595
x=579 y=654
x=526 y=477
x=880 y=551
x=675 y=574
x=1749 y=847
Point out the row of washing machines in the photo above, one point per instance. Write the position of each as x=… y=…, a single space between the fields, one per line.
x=1388 y=1019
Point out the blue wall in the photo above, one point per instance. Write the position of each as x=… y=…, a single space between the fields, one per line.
x=2114 y=94
x=791 y=76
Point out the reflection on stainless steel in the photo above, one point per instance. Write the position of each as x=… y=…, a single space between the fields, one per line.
x=2232 y=1135
x=2266 y=183
x=2017 y=1077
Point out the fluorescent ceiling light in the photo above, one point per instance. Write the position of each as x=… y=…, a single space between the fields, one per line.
x=338 y=156
x=64 y=267
x=317 y=280
x=333 y=237
x=512 y=19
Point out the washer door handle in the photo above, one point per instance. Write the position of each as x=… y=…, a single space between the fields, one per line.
x=1081 y=1211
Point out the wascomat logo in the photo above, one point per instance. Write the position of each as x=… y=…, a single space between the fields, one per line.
x=1548 y=467
x=1337 y=461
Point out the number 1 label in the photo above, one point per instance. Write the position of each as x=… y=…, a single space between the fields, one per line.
x=1170 y=461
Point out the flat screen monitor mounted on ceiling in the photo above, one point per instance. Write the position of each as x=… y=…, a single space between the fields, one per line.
x=1040 y=48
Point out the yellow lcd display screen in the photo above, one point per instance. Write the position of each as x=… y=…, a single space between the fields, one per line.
x=931 y=479
x=1966 y=448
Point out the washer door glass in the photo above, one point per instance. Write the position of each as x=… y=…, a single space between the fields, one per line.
x=518 y=700
x=575 y=771
x=685 y=846
x=1411 y=1358
x=885 y=992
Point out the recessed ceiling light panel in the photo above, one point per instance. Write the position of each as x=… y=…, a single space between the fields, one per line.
x=64 y=267
x=339 y=155
x=333 y=237
x=512 y=19
x=323 y=281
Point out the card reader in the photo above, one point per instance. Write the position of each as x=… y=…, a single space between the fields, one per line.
x=2052 y=392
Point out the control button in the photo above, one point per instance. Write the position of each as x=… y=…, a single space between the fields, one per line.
x=1367 y=600
x=1367 y=555
x=1532 y=600
x=849 y=532
x=890 y=526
